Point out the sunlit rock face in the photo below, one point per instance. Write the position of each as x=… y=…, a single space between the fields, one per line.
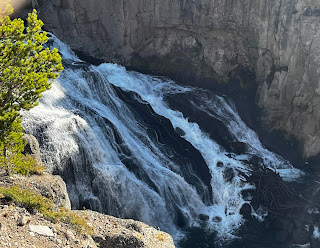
x=269 y=44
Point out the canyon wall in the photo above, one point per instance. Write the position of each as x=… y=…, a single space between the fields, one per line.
x=269 y=45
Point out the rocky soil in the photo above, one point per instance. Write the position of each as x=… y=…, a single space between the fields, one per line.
x=113 y=232
x=21 y=229
x=36 y=232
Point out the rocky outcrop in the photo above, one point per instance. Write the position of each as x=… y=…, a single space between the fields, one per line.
x=21 y=224
x=47 y=185
x=269 y=44
x=124 y=233
x=288 y=72
x=20 y=228
x=37 y=232
x=32 y=147
x=52 y=187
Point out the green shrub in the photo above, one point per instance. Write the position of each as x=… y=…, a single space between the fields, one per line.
x=32 y=201
x=26 y=70
x=78 y=223
x=27 y=199
x=26 y=165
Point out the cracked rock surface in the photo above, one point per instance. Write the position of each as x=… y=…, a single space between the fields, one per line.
x=22 y=229
x=273 y=45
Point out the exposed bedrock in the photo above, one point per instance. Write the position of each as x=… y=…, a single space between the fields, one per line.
x=269 y=45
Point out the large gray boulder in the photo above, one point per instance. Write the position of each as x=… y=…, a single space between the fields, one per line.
x=50 y=186
x=32 y=147
x=270 y=44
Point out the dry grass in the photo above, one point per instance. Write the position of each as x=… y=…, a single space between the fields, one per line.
x=160 y=237
x=32 y=201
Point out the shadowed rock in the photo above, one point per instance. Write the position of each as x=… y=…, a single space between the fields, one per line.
x=204 y=42
x=180 y=131
x=32 y=147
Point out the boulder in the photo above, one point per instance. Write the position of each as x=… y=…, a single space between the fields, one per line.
x=256 y=161
x=53 y=187
x=50 y=186
x=203 y=217
x=238 y=147
x=228 y=174
x=219 y=164
x=180 y=131
x=41 y=230
x=245 y=210
x=216 y=219
x=32 y=147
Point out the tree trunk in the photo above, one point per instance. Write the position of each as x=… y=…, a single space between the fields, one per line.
x=6 y=165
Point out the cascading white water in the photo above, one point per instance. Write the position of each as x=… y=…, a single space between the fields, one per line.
x=218 y=107
x=82 y=123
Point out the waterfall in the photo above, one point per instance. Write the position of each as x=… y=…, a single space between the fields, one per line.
x=122 y=150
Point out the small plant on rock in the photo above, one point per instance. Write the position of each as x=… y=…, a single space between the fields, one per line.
x=33 y=201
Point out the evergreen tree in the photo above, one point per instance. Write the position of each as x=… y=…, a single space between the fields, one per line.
x=25 y=67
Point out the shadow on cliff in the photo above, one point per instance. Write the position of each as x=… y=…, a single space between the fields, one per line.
x=240 y=85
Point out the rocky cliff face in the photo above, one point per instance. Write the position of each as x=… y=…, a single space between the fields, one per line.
x=21 y=227
x=271 y=45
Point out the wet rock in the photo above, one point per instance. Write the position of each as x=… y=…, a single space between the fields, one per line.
x=228 y=174
x=238 y=147
x=203 y=217
x=180 y=131
x=229 y=155
x=314 y=242
x=219 y=164
x=282 y=236
x=180 y=218
x=245 y=210
x=283 y=224
x=256 y=161
x=300 y=236
x=216 y=219
x=311 y=229
x=261 y=210
x=247 y=195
